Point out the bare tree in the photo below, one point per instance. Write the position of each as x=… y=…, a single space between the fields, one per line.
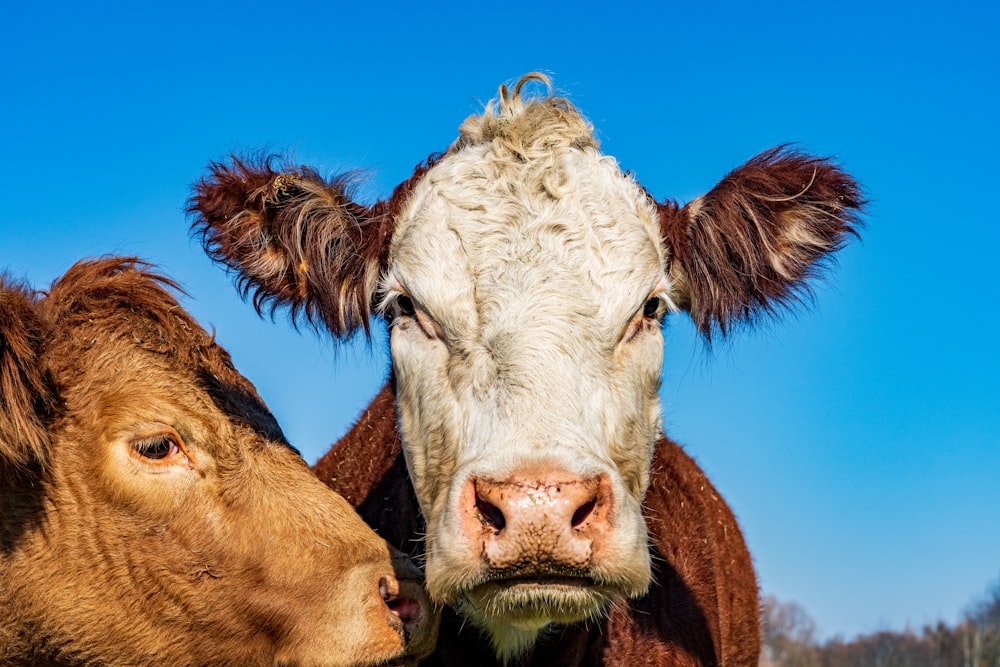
x=789 y=640
x=789 y=635
x=981 y=646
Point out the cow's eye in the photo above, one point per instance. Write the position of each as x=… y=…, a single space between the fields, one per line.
x=156 y=447
x=404 y=306
x=652 y=308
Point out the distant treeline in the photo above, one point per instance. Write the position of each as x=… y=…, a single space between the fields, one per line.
x=789 y=640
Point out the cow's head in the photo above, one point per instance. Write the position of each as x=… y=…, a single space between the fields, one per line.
x=151 y=510
x=525 y=278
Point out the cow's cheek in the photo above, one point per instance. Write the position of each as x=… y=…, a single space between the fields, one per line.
x=638 y=404
x=426 y=417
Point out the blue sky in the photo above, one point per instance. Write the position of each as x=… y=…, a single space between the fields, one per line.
x=858 y=440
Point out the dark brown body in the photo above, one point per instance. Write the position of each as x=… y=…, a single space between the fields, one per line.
x=702 y=608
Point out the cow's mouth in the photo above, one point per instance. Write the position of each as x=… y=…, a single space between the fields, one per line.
x=538 y=600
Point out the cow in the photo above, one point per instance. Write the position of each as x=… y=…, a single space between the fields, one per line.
x=151 y=510
x=525 y=279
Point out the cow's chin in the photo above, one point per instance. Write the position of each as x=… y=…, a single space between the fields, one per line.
x=513 y=611
x=530 y=603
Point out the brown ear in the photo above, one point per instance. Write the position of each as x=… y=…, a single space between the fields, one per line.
x=25 y=396
x=748 y=247
x=294 y=239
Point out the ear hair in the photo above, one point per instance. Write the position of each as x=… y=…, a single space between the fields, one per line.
x=749 y=246
x=294 y=239
x=26 y=397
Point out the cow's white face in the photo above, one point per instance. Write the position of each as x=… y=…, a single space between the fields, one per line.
x=526 y=300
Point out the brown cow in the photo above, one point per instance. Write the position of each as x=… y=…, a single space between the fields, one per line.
x=525 y=279
x=151 y=511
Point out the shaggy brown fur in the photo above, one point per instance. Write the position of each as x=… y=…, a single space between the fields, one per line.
x=750 y=245
x=24 y=396
x=701 y=609
x=291 y=235
x=151 y=511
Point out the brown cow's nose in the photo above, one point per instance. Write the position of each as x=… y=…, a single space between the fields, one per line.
x=406 y=604
x=405 y=598
x=537 y=521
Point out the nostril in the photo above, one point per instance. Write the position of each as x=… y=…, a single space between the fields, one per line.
x=388 y=587
x=407 y=609
x=582 y=512
x=490 y=514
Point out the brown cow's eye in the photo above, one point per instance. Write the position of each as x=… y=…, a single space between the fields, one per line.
x=652 y=307
x=156 y=447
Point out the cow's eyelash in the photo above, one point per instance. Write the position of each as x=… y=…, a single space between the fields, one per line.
x=156 y=447
x=403 y=305
x=395 y=303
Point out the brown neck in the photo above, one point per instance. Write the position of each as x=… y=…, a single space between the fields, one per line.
x=367 y=467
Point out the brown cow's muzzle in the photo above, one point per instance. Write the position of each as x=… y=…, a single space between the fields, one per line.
x=405 y=597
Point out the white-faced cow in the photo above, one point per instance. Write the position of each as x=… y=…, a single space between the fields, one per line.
x=151 y=511
x=525 y=278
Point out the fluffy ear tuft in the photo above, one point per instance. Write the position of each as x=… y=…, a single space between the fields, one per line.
x=294 y=239
x=25 y=396
x=749 y=246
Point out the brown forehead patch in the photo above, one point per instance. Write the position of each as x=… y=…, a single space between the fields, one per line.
x=119 y=305
x=121 y=297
